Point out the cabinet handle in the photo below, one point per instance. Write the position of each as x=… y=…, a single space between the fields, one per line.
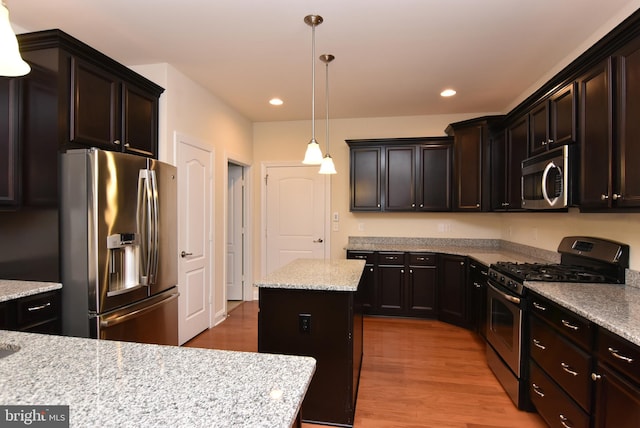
x=604 y=197
x=421 y=205
x=595 y=376
x=421 y=259
x=477 y=285
x=616 y=354
x=539 y=306
x=38 y=308
x=564 y=420
x=413 y=205
x=477 y=205
x=569 y=325
x=116 y=142
x=461 y=263
x=538 y=344
x=616 y=196
x=567 y=368
x=537 y=390
x=411 y=271
x=401 y=270
x=391 y=258
x=484 y=272
x=127 y=144
x=370 y=269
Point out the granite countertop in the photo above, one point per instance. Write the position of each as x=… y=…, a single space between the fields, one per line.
x=316 y=274
x=615 y=307
x=12 y=289
x=110 y=383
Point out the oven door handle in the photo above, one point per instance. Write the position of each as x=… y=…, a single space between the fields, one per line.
x=506 y=296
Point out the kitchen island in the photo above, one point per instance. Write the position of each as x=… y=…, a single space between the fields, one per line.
x=110 y=383
x=308 y=307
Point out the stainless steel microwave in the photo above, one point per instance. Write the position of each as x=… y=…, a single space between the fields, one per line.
x=548 y=179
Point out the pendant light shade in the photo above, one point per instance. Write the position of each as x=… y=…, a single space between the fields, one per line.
x=11 y=63
x=313 y=156
x=327 y=166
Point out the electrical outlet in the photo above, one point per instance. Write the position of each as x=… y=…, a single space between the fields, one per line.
x=304 y=323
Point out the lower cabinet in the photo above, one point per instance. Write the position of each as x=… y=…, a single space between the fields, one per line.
x=452 y=284
x=477 y=297
x=38 y=313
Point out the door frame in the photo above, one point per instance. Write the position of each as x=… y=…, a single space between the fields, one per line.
x=263 y=209
x=247 y=261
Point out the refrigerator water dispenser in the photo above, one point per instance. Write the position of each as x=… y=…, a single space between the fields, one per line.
x=124 y=262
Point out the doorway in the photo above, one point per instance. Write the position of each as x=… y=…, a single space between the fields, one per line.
x=235 y=245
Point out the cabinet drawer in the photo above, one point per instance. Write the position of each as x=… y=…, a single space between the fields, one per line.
x=422 y=259
x=555 y=407
x=573 y=326
x=369 y=256
x=37 y=309
x=567 y=364
x=619 y=354
x=389 y=258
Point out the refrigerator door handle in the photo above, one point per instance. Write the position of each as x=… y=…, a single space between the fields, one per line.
x=144 y=217
x=119 y=319
x=153 y=269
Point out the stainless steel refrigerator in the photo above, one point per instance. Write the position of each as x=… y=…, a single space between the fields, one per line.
x=118 y=247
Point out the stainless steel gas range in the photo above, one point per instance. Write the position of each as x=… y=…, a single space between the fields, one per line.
x=583 y=259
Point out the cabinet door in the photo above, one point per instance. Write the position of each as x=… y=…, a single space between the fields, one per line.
x=517 y=144
x=562 y=115
x=95 y=113
x=390 y=294
x=421 y=291
x=365 y=179
x=627 y=190
x=399 y=178
x=468 y=168
x=617 y=400
x=434 y=185
x=477 y=297
x=139 y=121
x=595 y=95
x=452 y=290
x=499 y=170
x=539 y=127
x=365 y=295
x=9 y=155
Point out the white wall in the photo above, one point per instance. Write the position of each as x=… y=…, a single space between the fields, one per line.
x=189 y=109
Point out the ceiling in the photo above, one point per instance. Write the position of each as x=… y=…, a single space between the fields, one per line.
x=392 y=57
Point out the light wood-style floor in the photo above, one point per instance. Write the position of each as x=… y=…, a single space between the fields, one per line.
x=415 y=374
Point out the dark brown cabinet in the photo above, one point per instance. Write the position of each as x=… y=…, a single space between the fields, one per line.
x=552 y=122
x=452 y=289
x=401 y=174
x=477 y=297
x=391 y=288
x=421 y=285
x=617 y=382
x=365 y=296
x=38 y=313
x=471 y=163
x=9 y=139
x=508 y=150
x=93 y=100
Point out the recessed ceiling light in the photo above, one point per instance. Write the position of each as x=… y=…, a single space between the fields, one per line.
x=448 y=93
x=276 y=102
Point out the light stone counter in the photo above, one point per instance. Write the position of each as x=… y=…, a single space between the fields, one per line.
x=12 y=289
x=119 y=384
x=615 y=307
x=316 y=274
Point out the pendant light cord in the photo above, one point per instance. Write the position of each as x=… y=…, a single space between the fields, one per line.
x=313 y=82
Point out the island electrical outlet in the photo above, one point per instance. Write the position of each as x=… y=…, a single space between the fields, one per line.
x=304 y=322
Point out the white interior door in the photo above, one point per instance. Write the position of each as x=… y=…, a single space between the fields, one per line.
x=195 y=169
x=295 y=214
x=235 y=229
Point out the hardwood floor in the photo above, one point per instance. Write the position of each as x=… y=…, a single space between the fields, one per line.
x=415 y=374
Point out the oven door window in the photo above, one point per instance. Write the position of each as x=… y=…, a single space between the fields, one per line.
x=504 y=328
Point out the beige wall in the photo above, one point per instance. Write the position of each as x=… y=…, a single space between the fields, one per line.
x=189 y=109
x=286 y=141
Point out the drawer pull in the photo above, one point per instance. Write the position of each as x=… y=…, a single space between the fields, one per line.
x=569 y=325
x=539 y=306
x=567 y=368
x=564 y=421
x=616 y=354
x=537 y=343
x=537 y=390
x=39 y=308
x=421 y=259
x=391 y=257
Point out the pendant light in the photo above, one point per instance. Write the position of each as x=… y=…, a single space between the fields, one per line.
x=11 y=63
x=313 y=156
x=327 y=166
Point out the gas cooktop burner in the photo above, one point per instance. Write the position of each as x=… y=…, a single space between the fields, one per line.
x=550 y=272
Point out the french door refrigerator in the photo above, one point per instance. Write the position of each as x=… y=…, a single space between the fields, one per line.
x=118 y=247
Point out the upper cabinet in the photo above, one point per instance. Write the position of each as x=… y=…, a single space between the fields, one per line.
x=609 y=132
x=98 y=102
x=552 y=122
x=400 y=174
x=508 y=150
x=471 y=160
x=9 y=154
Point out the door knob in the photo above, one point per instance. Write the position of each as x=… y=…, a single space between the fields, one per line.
x=185 y=254
x=317 y=241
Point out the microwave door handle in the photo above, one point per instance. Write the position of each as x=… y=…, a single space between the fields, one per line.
x=545 y=173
